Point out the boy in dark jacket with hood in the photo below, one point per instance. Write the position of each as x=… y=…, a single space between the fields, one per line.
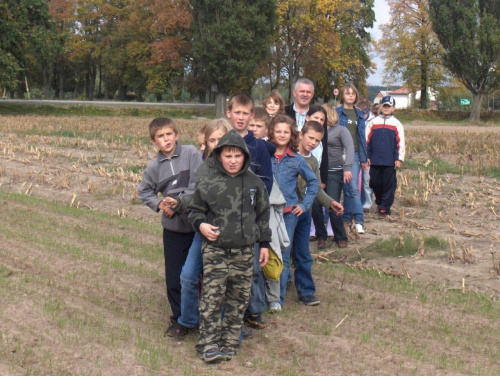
x=230 y=209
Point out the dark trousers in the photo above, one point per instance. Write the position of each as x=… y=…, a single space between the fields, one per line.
x=384 y=183
x=175 y=248
x=318 y=217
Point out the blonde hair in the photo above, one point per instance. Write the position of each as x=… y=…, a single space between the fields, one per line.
x=213 y=126
x=331 y=115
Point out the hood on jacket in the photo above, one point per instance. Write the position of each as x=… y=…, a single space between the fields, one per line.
x=232 y=139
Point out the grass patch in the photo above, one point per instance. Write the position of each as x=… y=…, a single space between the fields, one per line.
x=405 y=245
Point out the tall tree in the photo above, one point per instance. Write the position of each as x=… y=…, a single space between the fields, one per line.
x=410 y=47
x=230 y=38
x=470 y=34
x=324 y=40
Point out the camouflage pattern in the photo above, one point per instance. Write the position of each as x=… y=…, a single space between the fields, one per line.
x=238 y=205
x=227 y=277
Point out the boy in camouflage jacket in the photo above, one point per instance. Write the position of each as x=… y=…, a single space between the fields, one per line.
x=230 y=209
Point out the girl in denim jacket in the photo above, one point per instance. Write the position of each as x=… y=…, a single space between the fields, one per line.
x=287 y=166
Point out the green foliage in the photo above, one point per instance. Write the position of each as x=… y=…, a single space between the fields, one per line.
x=230 y=39
x=470 y=34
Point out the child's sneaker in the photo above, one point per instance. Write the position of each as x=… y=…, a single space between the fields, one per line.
x=309 y=300
x=176 y=330
x=359 y=228
x=274 y=307
x=384 y=213
x=212 y=355
x=227 y=353
x=255 y=321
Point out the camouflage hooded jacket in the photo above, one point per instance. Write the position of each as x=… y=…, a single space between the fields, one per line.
x=238 y=205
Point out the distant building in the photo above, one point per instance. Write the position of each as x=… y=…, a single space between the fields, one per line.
x=405 y=98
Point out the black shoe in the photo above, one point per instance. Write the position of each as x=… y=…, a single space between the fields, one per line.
x=255 y=321
x=176 y=330
x=246 y=332
x=309 y=300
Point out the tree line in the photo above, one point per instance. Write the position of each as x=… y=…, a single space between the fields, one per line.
x=127 y=49
x=110 y=48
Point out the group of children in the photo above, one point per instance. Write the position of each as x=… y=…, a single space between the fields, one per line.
x=216 y=211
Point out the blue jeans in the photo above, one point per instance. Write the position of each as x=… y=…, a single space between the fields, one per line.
x=190 y=314
x=290 y=224
x=334 y=190
x=257 y=293
x=304 y=282
x=352 y=200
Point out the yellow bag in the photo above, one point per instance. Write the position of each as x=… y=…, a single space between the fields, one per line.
x=272 y=270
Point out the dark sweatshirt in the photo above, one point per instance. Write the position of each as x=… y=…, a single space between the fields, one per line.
x=238 y=205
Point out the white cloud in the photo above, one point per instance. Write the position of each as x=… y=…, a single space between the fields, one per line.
x=382 y=16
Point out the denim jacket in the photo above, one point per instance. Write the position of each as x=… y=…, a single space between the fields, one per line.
x=286 y=172
x=361 y=138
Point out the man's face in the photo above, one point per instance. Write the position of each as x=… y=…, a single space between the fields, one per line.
x=240 y=116
x=258 y=127
x=303 y=94
x=232 y=160
x=164 y=140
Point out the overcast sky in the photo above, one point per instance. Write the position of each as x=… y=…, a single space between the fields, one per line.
x=381 y=16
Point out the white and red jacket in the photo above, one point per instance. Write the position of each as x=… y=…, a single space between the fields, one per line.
x=385 y=140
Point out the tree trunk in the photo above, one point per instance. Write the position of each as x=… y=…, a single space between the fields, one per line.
x=47 y=81
x=423 y=87
x=220 y=104
x=477 y=101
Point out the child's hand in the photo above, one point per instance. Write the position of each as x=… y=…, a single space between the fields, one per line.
x=347 y=176
x=368 y=162
x=364 y=166
x=297 y=210
x=166 y=210
x=264 y=257
x=337 y=208
x=170 y=202
x=397 y=164
x=210 y=232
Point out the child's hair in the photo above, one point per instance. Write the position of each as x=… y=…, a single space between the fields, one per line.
x=160 y=123
x=243 y=99
x=202 y=129
x=364 y=105
x=261 y=115
x=312 y=125
x=215 y=125
x=376 y=108
x=316 y=108
x=349 y=87
x=332 y=117
x=276 y=96
x=280 y=118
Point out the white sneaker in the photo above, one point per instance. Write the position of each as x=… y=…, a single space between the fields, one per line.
x=274 y=307
x=360 y=228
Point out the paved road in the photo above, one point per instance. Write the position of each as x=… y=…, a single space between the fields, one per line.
x=105 y=103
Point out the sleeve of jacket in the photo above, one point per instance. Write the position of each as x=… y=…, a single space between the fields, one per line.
x=147 y=190
x=348 y=144
x=402 y=142
x=265 y=171
x=195 y=161
x=262 y=213
x=323 y=168
x=368 y=130
x=198 y=209
x=311 y=184
x=362 y=136
x=322 y=197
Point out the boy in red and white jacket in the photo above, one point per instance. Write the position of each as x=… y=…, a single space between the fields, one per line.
x=385 y=152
